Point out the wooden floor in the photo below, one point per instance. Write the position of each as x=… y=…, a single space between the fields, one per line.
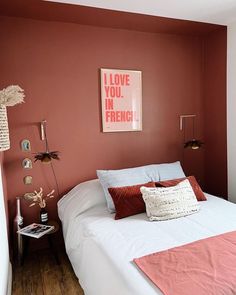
x=41 y=275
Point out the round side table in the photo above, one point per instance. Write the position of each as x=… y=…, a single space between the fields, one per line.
x=50 y=238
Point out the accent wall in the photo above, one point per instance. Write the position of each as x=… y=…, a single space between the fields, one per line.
x=57 y=64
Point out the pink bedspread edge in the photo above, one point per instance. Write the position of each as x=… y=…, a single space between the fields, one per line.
x=204 y=267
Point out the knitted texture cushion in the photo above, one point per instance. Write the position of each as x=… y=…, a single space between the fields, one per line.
x=171 y=202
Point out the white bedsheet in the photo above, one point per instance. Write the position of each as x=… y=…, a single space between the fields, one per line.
x=101 y=249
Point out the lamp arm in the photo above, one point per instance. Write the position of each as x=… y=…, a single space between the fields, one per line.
x=181 y=120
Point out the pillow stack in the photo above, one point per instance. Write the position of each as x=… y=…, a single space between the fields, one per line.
x=135 y=176
x=162 y=190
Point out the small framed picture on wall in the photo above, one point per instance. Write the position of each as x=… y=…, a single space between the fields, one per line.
x=27 y=163
x=25 y=145
x=121 y=95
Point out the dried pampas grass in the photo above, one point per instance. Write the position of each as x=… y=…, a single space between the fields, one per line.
x=38 y=198
x=11 y=95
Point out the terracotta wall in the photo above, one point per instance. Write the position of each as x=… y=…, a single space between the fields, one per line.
x=58 y=66
x=215 y=113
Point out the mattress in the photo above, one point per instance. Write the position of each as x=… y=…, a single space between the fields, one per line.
x=101 y=249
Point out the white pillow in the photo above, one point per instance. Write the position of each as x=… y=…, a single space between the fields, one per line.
x=82 y=197
x=137 y=175
x=125 y=177
x=170 y=202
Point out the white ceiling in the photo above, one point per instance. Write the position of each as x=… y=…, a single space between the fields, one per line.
x=211 y=11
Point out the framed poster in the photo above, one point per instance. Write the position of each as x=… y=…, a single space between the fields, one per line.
x=121 y=95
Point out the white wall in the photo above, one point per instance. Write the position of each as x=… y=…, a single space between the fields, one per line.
x=5 y=267
x=231 y=111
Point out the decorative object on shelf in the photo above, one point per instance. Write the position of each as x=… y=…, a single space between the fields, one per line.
x=28 y=180
x=38 y=198
x=9 y=96
x=47 y=156
x=43 y=215
x=121 y=95
x=25 y=145
x=18 y=218
x=193 y=143
x=18 y=224
x=27 y=163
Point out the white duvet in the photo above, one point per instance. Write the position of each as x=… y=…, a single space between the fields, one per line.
x=101 y=249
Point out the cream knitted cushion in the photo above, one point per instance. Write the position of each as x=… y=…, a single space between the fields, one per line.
x=170 y=202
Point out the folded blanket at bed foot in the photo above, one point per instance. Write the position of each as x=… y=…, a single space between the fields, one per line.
x=204 y=267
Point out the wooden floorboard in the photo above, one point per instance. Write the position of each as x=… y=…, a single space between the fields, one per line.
x=41 y=275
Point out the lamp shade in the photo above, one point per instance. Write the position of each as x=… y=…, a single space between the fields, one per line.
x=46 y=157
x=194 y=144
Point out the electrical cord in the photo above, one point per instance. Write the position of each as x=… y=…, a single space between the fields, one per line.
x=55 y=178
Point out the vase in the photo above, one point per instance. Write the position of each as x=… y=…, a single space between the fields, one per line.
x=18 y=224
x=43 y=216
x=4 y=131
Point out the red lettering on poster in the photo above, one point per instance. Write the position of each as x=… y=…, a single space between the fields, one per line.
x=113 y=91
x=121 y=116
x=119 y=79
x=109 y=105
x=105 y=79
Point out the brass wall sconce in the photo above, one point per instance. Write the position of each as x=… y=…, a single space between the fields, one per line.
x=193 y=143
x=47 y=156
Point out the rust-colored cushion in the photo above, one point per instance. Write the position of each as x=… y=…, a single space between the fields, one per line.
x=195 y=186
x=128 y=200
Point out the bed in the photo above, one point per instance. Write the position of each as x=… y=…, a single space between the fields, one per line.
x=101 y=249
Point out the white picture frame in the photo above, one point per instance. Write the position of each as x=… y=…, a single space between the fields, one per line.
x=121 y=99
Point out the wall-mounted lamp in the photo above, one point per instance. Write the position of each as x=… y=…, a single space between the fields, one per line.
x=194 y=144
x=47 y=156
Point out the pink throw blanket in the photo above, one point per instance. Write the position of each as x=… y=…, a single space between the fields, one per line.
x=204 y=267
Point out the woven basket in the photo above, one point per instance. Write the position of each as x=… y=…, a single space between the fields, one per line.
x=4 y=131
